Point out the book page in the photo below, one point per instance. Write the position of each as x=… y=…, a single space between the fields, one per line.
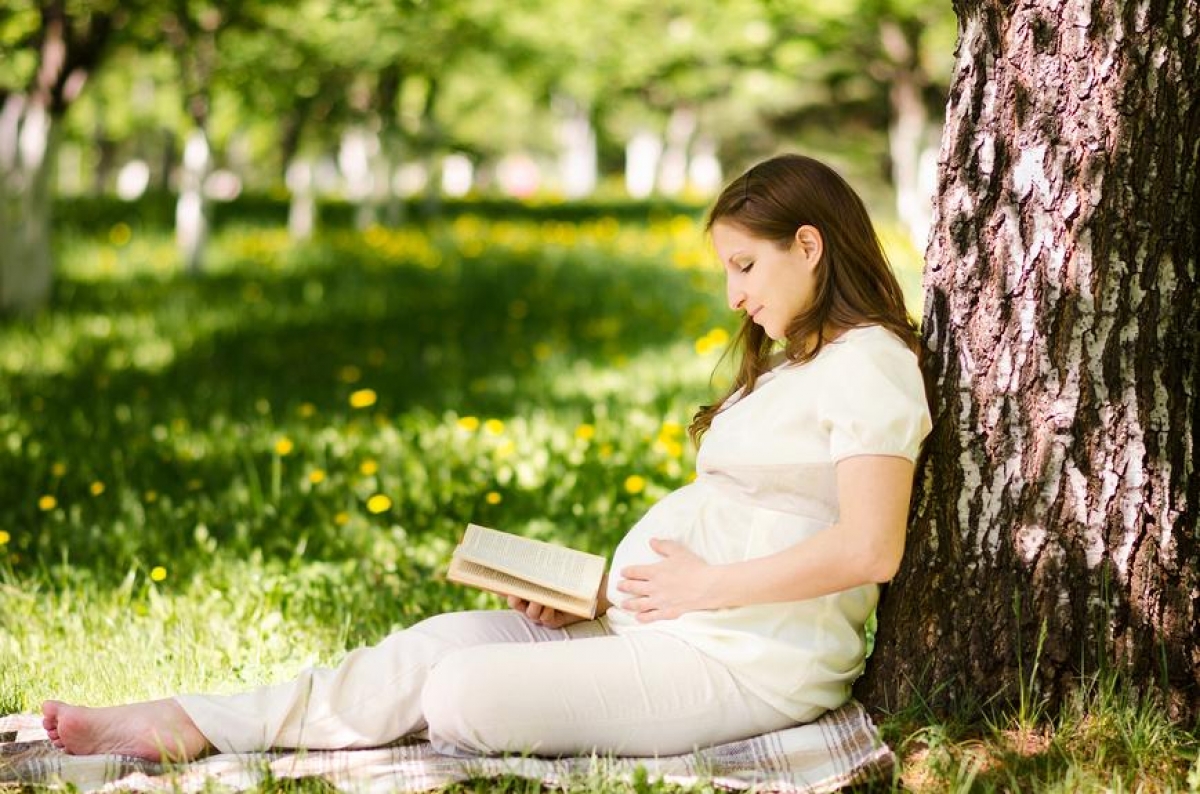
x=569 y=571
x=481 y=576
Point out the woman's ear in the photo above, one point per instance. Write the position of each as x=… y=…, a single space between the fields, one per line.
x=808 y=240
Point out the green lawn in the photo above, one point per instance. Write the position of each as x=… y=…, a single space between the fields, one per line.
x=211 y=482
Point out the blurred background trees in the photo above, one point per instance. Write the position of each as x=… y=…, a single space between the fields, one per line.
x=390 y=105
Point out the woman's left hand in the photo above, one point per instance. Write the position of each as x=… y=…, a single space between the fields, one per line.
x=681 y=582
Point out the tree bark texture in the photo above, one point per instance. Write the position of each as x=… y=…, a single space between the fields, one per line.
x=1054 y=527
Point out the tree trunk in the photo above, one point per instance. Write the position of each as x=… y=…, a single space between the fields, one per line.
x=67 y=49
x=577 y=148
x=673 y=168
x=642 y=153
x=191 y=208
x=1054 y=530
x=388 y=93
x=302 y=206
x=909 y=127
x=430 y=133
x=28 y=140
x=359 y=146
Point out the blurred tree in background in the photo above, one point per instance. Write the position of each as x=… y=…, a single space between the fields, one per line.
x=379 y=101
x=48 y=49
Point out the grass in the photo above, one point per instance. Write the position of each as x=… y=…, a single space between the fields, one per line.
x=208 y=483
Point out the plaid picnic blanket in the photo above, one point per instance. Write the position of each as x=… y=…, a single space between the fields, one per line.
x=839 y=749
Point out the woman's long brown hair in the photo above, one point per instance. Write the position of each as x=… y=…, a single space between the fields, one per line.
x=854 y=284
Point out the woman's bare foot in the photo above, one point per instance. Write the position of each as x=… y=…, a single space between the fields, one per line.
x=157 y=730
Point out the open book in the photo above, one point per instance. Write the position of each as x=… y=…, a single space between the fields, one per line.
x=555 y=576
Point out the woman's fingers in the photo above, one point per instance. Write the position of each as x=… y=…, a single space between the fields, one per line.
x=634 y=586
x=538 y=613
x=637 y=604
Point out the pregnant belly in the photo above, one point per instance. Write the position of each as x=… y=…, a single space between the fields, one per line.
x=714 y=528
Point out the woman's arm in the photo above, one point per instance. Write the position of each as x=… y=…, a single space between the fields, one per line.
x=864 y=546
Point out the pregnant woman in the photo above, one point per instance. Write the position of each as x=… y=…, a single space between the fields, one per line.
x=734 y=607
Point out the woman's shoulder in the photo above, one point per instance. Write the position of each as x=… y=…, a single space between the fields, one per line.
x=870 y=334
x=854 y=346
x=873 y=395
x=869 y=342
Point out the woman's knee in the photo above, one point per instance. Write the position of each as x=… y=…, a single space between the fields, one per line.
x=463 y=703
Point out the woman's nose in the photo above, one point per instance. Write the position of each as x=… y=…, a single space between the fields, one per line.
x=735 y=295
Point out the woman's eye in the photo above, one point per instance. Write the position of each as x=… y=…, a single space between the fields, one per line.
x=747 y=268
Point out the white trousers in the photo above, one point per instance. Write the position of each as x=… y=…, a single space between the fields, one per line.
x=492 y=682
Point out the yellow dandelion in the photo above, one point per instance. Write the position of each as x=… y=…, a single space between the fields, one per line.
x=606 y=450
x=96 y=488
x=711 y=341
x=341 y=519
x=316 y=476
x=350 y=374
x=379 y=504
x=4 y=538
x=47 y=502
x=635 y=484
x=306 y=410
x=195 y=484
x=284 y=446
x=158 y=573
x=120 y=234
x=671 y=430
x=58 y=469
x=469 y=423
x=585 y=432
x=368 y=468
x=150 y=497
x=672 y=448
x=506 y=449
x=493 y=498
x=363 y=398
x=542 y=351
x=494 y=427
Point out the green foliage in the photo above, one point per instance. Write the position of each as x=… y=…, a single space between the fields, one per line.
x=155 y=212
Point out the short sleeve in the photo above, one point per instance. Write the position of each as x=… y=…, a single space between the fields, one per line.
x=875 y=401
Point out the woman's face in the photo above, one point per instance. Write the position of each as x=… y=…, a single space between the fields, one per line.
x=771 y=285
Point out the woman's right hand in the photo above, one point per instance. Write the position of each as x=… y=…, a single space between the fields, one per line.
x=541 y=614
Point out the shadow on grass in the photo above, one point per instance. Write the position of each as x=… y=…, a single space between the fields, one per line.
x=181 y=366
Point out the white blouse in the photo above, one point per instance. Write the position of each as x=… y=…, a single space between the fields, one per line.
x=765 y=480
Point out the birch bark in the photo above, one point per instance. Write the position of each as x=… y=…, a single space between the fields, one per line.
x=1054 y=529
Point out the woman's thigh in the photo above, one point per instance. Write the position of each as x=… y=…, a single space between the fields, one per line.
x=643 y=693
x=489 y=627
